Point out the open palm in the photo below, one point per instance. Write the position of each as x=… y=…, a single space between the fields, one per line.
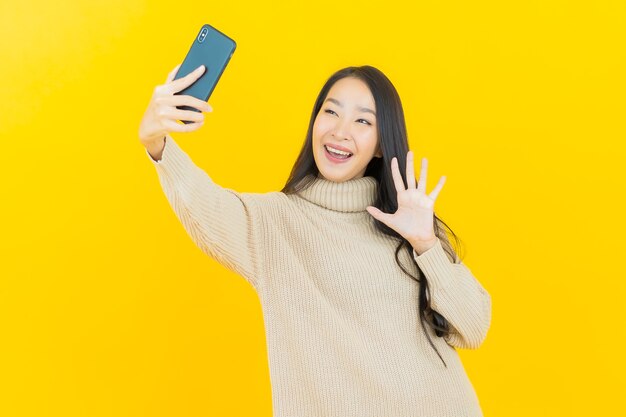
x=414 y=218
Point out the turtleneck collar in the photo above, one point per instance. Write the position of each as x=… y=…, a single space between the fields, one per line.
x=348 y=196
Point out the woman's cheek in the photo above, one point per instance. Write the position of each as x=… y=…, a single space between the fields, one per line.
x=322 y=125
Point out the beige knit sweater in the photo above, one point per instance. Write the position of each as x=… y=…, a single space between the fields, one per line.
x=341 y=318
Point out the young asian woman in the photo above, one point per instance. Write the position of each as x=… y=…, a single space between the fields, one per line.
x=364 y=299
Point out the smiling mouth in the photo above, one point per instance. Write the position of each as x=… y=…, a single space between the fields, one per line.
x=336 y=155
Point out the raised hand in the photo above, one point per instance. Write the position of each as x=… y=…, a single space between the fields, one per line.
x=161 y=115
x=414 y=218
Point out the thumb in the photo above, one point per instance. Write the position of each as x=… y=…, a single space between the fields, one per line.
x=172 y=74
x=184 y=82
x=377 y=214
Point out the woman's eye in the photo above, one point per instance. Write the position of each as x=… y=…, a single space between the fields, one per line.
x=330 y=111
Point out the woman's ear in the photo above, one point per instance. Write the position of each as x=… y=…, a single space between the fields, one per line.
x=379 y=153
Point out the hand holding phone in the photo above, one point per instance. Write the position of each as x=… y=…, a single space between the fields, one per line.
x=163 y=109
x=187 y=88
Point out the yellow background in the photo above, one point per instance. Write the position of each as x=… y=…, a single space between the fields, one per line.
x=107 y=308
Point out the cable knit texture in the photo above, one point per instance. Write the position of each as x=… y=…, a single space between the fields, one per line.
x=341 y=317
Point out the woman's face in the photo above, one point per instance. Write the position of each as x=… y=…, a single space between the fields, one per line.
x=346 y=121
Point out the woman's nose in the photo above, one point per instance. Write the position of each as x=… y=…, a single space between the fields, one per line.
x=341 y=129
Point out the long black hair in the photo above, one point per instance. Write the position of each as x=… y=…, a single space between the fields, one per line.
x=393 y=143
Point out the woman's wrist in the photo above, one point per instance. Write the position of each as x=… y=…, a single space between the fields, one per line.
x=422 y=246
x=155 y=148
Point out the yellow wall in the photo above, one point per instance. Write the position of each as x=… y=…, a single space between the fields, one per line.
x=108 y=309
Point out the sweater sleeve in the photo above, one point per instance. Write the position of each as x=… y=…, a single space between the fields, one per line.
x=458 y=296
x=224 y=224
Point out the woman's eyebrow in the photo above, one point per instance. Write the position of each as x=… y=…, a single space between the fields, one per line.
x=363 y=109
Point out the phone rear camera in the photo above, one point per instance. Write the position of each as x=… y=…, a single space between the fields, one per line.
x=202 y=35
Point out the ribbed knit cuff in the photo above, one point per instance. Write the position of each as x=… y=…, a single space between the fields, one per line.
x=436 y=265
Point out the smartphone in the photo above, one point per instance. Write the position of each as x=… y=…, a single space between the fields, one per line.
x=212 y=49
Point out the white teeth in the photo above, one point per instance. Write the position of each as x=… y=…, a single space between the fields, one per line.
x=337 y=151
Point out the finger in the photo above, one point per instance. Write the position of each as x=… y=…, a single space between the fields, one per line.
x=410 y=171
x=184 y=82
x=184 y=100
x=421 y=186
x=395 y=173
x=172 y=126
x=177 y=114
x=172 y=74
x=434 y=193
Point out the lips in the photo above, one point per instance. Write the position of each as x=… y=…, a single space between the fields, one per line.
x=335 y=158
x=338 y=147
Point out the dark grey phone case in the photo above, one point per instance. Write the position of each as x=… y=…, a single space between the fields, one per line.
x=212 y=49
